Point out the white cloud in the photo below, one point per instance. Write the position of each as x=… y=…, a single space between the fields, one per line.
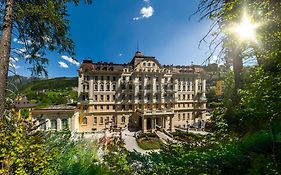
x=62 y=64
x=21 y=42
x=146 y=1
x=12 y=65
x=145 y=12
x=71 y=60
x=14 y=59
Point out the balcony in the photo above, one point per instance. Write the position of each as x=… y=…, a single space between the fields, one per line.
x=156 y=112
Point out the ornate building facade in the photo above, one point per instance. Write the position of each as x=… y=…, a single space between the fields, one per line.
x=142 y=94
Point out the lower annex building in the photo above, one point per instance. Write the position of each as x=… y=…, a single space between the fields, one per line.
x=142 y=95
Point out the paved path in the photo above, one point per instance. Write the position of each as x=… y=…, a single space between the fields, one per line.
x=165 y=138
x=193 y=131
x=131 y=143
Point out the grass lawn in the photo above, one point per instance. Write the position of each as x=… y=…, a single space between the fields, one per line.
x=148 y=143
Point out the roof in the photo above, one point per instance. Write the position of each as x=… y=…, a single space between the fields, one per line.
x=23 y=103
x=56 y=108
x=88 y=65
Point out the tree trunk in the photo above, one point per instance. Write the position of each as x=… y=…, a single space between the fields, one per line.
x=237 y=70
x=5 y=47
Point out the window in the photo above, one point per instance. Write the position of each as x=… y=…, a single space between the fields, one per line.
x=140 y=78
x=140 y=87
x=107 y=107
x=148 y=64
x=183 y=116
x=101 y=120
x=101 y=98
x=188 y=116
x=64 y=123
x=123 y=107
x=130 y=107
x=107 y=97
x=108 y=87
x=43 y=124
x=113 y=119
x=124 y=78
x=102 y=87
x=139 y=97
x=179 y=117
x=95 y=120
x=153 y=64
x=148 y=97
x=113 y=107
x=114 y=78
x=101 y=78
x=96 y=98
x=96 y=87
x=123 y=119
x=53 y=124
x=95 y=106
x=114 y=87
x=183 y=96
x=144 y=64
x=85 y=121
x=188 y=97
x=179 y=88
x=108 y=78
x=101 y=106
x=113 y=97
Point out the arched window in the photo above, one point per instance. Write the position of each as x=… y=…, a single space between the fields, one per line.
x=64 y=123
x=85 y=121
x=54 y=124
x=123 y=119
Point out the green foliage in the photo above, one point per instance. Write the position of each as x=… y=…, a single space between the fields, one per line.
x=116 y=160
x=73 y=157
x=23 y=150
x=50 y=91
x=41 y=25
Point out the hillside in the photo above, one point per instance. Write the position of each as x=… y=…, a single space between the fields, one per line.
x=59 y=83
x=46 y=92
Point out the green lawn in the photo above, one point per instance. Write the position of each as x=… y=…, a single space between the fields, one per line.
x=149 y=143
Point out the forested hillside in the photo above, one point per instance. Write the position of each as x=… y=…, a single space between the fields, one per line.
x=46 y=92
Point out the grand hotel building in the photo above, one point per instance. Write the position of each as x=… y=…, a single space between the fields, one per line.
x=142 y=94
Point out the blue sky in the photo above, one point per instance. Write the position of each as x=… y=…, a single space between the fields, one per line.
x=111 y=30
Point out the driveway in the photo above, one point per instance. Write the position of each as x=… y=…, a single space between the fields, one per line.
x=131 y=143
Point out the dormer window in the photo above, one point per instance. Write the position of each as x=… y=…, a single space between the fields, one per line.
x=148 y=64
x=144 y=64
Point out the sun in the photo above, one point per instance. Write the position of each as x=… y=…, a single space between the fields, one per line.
x=246 y=29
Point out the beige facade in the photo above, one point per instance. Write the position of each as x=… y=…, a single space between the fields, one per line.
x=56 y=118
x=142 y=94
